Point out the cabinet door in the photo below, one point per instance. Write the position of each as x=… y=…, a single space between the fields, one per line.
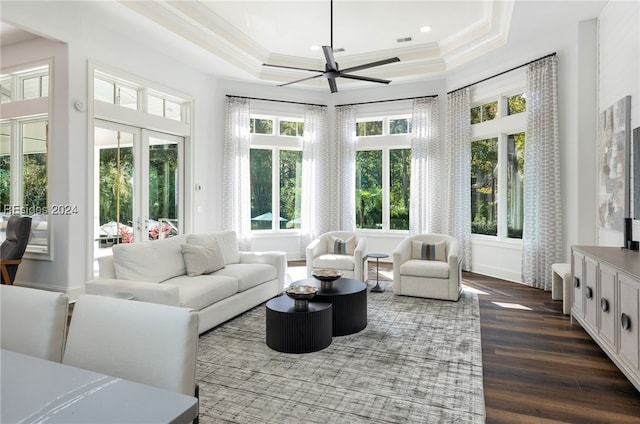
x=608 y=316
x=589 y=281
x=576 y=298
x=629 y=315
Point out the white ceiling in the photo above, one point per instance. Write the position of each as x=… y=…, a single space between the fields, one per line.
x=232 y=39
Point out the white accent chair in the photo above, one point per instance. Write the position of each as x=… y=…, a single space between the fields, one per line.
x=320 y=254
x=436 y=279
x=144 y=342
x=33 y=322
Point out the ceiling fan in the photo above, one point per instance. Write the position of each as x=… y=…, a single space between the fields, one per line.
x=332 y=71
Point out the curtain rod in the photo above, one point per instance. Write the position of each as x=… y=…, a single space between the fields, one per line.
x=389 y=100
x=277 y=101
x=502 y=73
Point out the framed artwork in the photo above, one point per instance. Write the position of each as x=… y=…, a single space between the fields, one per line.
x=613 y=164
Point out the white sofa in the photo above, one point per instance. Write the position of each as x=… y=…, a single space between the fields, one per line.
x=156 y=272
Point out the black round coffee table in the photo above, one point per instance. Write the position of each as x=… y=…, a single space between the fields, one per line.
x=292 y=331
x=349 y=300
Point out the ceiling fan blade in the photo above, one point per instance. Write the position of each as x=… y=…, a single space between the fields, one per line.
x=328 y=55
x=357 y=77
x=332 y=85
x=372 y=64
x=300 y=80
x=292 y=67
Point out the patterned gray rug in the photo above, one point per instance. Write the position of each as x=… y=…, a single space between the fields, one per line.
x=417 y=361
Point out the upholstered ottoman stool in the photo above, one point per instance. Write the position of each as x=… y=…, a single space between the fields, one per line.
x=561 y=285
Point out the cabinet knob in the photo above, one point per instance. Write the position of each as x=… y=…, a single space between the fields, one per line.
x=604 y=305
x=576 y=282
x=589 y=292
x=625 y=322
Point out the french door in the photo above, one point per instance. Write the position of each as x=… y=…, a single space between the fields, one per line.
x=138 y=184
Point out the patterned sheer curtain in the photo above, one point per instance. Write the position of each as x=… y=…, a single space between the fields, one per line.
x=236 y=177
x=315 y=218
x=458 y=160
x=343 y=167
x=426 y=173
x=542 y=233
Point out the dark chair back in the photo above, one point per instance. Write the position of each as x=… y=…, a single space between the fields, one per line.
x=13 y=247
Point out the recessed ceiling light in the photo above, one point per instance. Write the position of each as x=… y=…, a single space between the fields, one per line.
x=314 y=48
x=425 y=29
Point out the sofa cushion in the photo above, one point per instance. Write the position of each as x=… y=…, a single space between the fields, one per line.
x=429 y=251
x=152 y=261
x=342 y=246
x=203 y=290
x=428 y=269
x=330 y=261
x=227 y=241
x=249 y=275
x=201 y=259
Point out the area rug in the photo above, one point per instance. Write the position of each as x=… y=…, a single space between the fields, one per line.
x=417 y=361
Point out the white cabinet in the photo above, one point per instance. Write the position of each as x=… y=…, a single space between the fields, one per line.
x=606 y=302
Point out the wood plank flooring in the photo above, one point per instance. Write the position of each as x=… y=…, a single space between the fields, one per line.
x=538 y=368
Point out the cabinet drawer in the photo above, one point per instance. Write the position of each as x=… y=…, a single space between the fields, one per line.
x=628 y=320
x=577 y=300
x=607 y=305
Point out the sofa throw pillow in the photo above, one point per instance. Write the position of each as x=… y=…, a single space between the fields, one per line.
x=429 y=251
x=227 y=241
x=201 y=259
x=343 y=247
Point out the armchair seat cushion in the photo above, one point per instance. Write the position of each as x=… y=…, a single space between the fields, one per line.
x=249 y=275
x=334 y=261
x=426 y=269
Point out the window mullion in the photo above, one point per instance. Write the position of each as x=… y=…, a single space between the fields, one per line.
x=385 y=189
x=275 y=189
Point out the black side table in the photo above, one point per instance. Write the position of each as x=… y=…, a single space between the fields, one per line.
x=292 y=331
x=377 y=288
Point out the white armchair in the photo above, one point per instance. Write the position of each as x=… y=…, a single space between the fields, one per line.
x=428 y=265
x=345 y=251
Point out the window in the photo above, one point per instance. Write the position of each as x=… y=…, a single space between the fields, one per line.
x=111 y=89
x=276 y=173
x=383 y=173
x=497 y=167
x=24 y=145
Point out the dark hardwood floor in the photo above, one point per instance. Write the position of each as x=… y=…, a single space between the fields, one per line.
x=538 y=368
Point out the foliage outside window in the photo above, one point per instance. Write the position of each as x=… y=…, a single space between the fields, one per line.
x=383 y=174
x=484 y=187
x=292 y=128
x=515 y=185
x=261 y=126
x=369 y=128
x=289 y=182
x=516 y=104
x=484 y=112
x=369 y=189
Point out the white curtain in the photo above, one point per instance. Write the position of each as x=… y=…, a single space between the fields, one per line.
x=542 y=233
x=236 y=176
x=316 y=194
x=426 y=173
x=458 y=160
x=343 y=170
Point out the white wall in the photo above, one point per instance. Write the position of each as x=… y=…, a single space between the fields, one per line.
x=619 y=72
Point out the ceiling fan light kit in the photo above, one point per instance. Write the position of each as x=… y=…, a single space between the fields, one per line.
x=331 y=69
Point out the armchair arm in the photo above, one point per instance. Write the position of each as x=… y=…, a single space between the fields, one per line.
x=274 y=258
x=164 y=294
x=360 y=258
x=317 y=247
x=401 y=254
